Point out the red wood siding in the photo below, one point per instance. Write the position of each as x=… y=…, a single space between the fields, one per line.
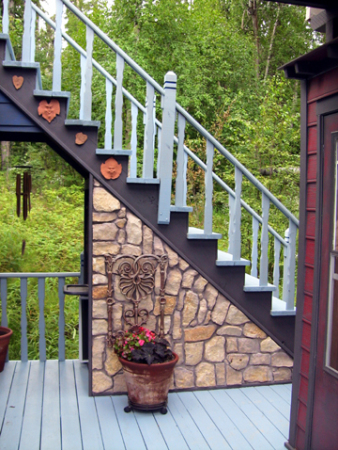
x=323 y=86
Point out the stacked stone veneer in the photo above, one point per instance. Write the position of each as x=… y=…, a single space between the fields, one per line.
x=217 y=344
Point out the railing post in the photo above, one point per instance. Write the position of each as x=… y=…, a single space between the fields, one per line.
x=118 y=126
x=42 y=340
x=86 y=78
x=5 y=17
x=24 y=345
x=276 y=272
x=26 y=37
x=57 y=47
x=290 y=266
x=166 y=149
x=264 y=263
x=62 y=352
x=133 y=143
x=108 y=135
x=254 y=252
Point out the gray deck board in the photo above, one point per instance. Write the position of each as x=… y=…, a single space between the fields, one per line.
x=46 y=406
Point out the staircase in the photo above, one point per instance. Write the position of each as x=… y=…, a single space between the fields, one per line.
x=149 y=196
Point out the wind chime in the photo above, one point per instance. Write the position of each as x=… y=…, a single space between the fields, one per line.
x=23 y=190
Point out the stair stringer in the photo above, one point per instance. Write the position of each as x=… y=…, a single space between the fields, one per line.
x=142 y=200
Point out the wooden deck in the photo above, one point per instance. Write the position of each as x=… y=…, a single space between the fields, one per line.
x=46 y=406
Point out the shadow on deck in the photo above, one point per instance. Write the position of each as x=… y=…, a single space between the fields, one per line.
x=46 y=406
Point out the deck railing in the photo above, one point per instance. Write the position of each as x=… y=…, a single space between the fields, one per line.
x=173 y=115
x=24 y=277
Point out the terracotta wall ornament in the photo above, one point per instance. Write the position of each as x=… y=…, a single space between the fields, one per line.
x=80 y=138
x=49 y=110
x=17 y=81
x=111 y=169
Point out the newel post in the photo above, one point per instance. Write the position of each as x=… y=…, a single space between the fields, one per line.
x=166 y=149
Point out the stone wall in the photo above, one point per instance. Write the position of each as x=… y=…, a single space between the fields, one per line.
x=217 y=344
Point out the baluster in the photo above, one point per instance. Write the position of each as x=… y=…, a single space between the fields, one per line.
x=166 y=149
x=3 y=291
x=149 y=134
x=5 y=17
x=57 y=47
x=263 y=273
x=235 y=248
x=24 y=345
x=86 y=78
x=182 y=163
x=33 y=23
x=208 y=189
x=231 y=219
x=108 y=135
x=62 y=352
x=159 y=137
x=276 y=272
x=118 y=127
x=290 y=267
x=26 y=37
x=254 y=252
x=42 y=339
x=133 y=143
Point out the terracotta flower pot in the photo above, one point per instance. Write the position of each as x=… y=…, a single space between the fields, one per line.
x=5 y=335
x=148 y=386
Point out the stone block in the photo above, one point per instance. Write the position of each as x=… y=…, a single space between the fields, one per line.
x=260 y=359
x=112 y=364
x=119 y=384
x=220 y=310
x=193 y=353
x=173 y=256
x=235 y=316
x=232 y=345
x=100 y=309
x=190 y=307
x=102 y=248
x=202 y=311
x=184 y=378
x=200 y=284
x=188 y=278
x=133 y=229
x=122 y=213
x=104 y=217
x=99 y=326
x=129 y=249
x=269 y=346
x=177 y=329
x=233 y=377
x=183 y=265
x=220 y=374
x=180 y=302
x=282 y=374
x=257 y=374
x=205 y=375
x=215 y=349
x=99 y=292
x=169 y=305
x=158 y=246
x=238 y=361
x=202 y=333
x=99 y=265
x=105 y=202
x=99 y=279
x=252 y=331
x=121 y=237
x=120 y=223
x=147 y=240
x=101 y=382
x=173 y=283
x=178 y=349
x=247 y=345
x=229 y=330
x=281 y=359
x=98 y=349
x=104 y=232
x=210 y=295
x=117 y=316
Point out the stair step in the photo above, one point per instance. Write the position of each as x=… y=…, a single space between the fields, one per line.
x=112 y=152
x=82 y=123
x=279 y=308
x=53 y=94
x=226 y=259
x=196 y=233
x=252 y=285
x=26 y=65
x=188 y=209
x=8 y=45
x=143 y=180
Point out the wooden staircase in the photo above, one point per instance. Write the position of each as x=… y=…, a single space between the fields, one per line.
x=20 y=120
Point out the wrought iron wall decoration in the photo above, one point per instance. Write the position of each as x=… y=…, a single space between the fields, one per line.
x=49 y=110
x=136 y=280
x=23 y=190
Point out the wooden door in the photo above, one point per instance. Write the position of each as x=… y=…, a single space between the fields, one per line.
x=325 y=407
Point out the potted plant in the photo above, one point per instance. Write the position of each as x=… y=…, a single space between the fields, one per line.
x=148 y=365
x=5 y=335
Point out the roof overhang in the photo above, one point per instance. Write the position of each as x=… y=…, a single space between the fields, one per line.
x=324 y=4
x=318 y=61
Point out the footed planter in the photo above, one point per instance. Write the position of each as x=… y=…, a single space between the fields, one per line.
x=148 y=385
x=5 y=335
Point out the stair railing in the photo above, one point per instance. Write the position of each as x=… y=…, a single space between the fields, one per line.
x=166 y=138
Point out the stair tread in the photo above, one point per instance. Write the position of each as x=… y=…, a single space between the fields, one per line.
x=278 y=308
x=24 y=64
x=226 y=259
x=174 y=208
x=82 y=123
x=252 y=285
x=113 y=152
x=42 y=93
x=197 y=233
x=143 y=180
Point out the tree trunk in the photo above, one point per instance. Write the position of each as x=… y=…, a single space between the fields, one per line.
x=252 y=10
x=271 y=43
x=5 y=154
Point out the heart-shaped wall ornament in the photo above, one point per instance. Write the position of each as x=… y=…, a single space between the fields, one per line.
x=80 y=138
x=49 y=110
x=18 y=81
x=111 y=169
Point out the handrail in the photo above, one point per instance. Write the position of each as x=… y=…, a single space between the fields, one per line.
x=39 y=274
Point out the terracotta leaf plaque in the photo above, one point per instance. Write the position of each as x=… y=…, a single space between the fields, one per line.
x=80 y=138
x=111 y=169
x=49 y=110
x=17 y=81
